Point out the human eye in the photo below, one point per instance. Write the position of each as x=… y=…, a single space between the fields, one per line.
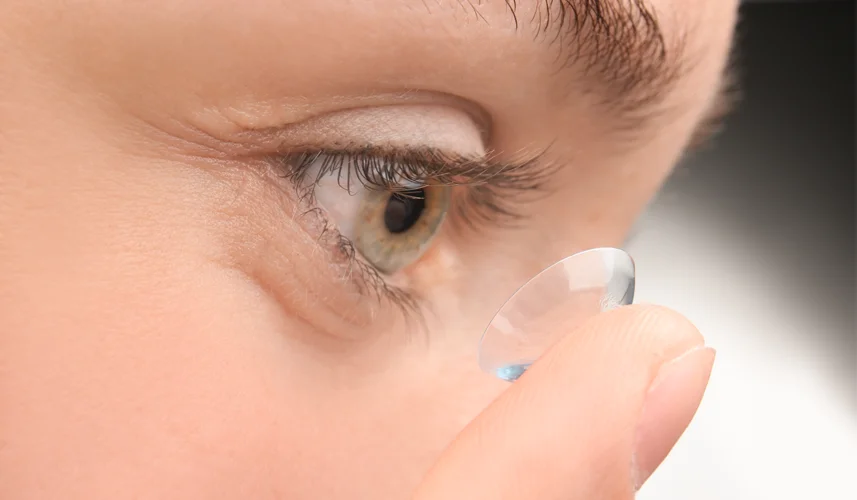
x=387 y=216
x=382 y=209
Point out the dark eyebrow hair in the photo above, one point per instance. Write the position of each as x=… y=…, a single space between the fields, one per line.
x=617 y=42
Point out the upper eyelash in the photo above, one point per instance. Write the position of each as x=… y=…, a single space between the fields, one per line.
x=494 y=191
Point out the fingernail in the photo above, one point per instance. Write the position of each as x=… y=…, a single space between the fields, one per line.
x=670 y=405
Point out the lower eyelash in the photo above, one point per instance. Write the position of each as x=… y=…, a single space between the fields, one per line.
x=357 y=272
x=371 y=282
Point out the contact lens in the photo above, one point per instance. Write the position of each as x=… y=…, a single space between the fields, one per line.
x=551 y=304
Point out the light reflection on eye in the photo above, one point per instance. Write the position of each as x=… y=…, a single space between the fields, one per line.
x=391 y=230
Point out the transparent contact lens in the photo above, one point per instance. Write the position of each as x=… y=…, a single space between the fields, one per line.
x=551 y=304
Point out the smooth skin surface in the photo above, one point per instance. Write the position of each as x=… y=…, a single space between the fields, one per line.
x=173 y=324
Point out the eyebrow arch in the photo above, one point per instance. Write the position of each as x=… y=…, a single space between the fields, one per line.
x=618 y=42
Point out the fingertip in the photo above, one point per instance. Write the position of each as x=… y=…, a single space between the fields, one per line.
x=657 y=331
x=670 y=405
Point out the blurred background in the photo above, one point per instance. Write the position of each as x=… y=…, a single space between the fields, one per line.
x=754 y=240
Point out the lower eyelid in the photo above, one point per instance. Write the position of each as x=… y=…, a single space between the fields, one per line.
x=353 y=271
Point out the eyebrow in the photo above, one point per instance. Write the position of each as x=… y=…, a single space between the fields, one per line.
x=618 y=42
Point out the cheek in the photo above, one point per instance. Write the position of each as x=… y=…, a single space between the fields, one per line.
x=201 y=398
x=143 y=370
x=192 y=384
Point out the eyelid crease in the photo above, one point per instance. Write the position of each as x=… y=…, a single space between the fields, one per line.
x=240 y=129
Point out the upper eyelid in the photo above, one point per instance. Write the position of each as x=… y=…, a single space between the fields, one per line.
x=240 y=131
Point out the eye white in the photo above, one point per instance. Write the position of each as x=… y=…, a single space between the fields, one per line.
x=337 y=196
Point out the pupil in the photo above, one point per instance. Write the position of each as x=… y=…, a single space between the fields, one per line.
x=404 y=210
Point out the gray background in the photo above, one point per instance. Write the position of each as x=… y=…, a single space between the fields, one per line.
x=753 y=240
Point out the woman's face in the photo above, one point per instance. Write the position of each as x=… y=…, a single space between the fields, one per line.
x=207 y=288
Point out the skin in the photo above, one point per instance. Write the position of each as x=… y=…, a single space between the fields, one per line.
x=170 y=329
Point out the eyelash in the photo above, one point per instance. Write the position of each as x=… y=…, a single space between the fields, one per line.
x=495 y=192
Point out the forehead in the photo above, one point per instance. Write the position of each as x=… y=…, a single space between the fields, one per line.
x=523 y=58
x=627 y=42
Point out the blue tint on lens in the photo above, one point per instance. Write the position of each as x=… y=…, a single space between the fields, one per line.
x=511 y=373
